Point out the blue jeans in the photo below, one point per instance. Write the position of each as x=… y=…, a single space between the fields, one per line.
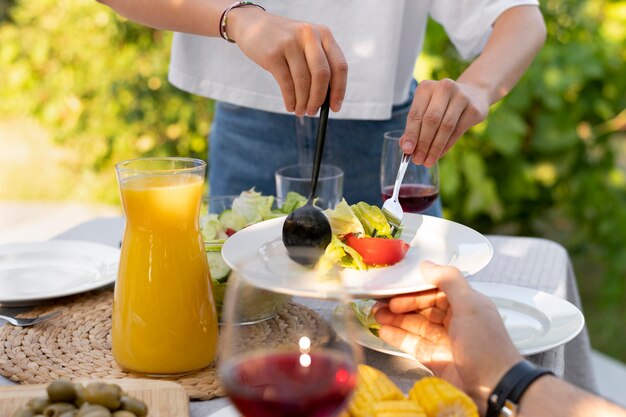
x=247 y=146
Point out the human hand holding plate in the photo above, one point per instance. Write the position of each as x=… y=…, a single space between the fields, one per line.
x=535 y=321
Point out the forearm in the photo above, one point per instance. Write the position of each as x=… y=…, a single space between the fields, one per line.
x=553 y=397
x=517 y=36
x=200 y=17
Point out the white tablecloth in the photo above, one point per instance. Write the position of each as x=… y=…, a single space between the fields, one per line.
x=529 y=262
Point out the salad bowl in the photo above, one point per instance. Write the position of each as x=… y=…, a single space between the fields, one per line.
x=222 y=217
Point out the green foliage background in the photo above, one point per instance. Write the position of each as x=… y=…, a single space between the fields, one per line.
x=99 y=84
x=550 y=161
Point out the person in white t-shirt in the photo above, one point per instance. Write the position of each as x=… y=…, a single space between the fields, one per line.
x=287 y=54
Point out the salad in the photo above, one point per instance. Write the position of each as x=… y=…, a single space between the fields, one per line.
x=362 y=238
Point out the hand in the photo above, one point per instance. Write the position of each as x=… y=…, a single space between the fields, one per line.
x=454 y=330
x=440 y=113
x=304 y=58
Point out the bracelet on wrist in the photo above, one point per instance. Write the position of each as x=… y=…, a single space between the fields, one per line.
x=504 y=399
x=224 y=19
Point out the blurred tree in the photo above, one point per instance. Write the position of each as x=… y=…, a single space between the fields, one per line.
x=5 y=6
x=99 y=83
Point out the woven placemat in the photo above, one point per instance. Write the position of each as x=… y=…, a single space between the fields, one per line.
x=77 y=344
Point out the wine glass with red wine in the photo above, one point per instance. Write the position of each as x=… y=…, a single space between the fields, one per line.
x=292 y=365
x=420 y=187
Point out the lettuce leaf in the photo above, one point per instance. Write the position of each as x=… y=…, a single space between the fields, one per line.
x=373 y=220
x=211 y=228
x=343 y=220
x=253 y=206
x=363 y=310
x=338 y=253
x=292 y=202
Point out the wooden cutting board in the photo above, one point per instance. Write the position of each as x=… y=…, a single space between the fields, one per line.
x=164 y=398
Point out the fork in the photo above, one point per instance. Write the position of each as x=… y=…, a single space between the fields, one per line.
x=391 y=207
x=28 y=321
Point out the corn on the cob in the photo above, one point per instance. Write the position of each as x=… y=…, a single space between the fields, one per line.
x=439 y=398
x=398 y=408
x=372 y=386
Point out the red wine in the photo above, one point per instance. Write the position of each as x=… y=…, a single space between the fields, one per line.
x=290 y=384
x=413 y=198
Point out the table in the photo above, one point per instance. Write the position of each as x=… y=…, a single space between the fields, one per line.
x=528 y=262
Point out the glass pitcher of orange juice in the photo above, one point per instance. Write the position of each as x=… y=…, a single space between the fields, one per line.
x=164 y=318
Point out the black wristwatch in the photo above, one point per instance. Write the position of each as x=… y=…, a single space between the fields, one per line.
x=504 y=399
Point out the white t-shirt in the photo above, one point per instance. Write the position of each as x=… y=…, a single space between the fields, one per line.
x=380 y=39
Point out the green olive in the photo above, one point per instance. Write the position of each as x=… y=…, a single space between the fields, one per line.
x=123 y=413
x=107 y=395
x=56 y=409
x=98 y=413
x=80 y=394
x=24 y=412
x=103 y=412
x=135 y=406
x=38 y=404
x=61 y=390
x=93 y=410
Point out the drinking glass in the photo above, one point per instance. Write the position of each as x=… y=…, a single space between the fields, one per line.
x=298 y=178
x=164 y=319
x=295 y=371
x=420 y=187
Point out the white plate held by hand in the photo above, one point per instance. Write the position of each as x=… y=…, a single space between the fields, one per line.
x=31 y=272
x=258 y=253
x=536 y=321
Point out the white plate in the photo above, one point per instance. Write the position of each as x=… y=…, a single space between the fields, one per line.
x=258 y=253
x=31 y=272
x=536 y=321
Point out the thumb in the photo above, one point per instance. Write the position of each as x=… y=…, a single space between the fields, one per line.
x=449 y=280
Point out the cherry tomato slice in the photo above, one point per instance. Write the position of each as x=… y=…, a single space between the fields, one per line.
x=377 y=251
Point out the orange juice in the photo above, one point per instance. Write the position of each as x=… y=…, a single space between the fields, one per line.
x=164 y=319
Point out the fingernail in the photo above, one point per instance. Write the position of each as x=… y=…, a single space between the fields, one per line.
x=407 y=147
x=338 y=105
x=430 y=162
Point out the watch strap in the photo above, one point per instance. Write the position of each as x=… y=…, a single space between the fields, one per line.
x=504 y=399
